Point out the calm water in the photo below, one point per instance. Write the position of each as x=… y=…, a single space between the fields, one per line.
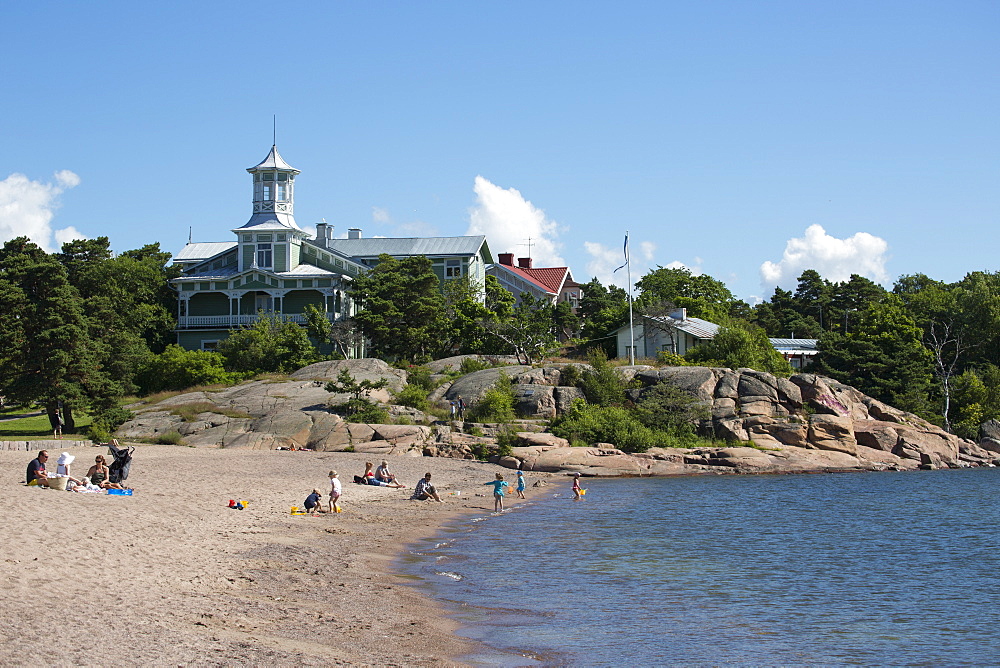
x=835 y=569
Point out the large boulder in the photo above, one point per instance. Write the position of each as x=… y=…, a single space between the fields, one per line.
x=876 y=434
x=832 y=432
x=698 y=381
x=471 y=387
x=535 y=401
x=362 y=369
x=939 y=445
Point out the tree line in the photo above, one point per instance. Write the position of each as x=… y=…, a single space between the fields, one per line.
x=84 y=328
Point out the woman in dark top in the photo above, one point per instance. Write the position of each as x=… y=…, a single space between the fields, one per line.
x=99 y=474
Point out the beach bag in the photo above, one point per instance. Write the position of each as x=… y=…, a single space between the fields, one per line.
x=118 y=471
x=359 y=480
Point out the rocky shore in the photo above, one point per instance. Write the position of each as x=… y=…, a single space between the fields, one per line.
x=764 y=424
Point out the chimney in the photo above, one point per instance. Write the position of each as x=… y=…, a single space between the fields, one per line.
x=354 y=233
x=679 y=314
x=524 y=262
x=324 y=232
x=506 y=259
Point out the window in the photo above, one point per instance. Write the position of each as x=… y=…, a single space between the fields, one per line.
x=282 y=192
x=267 y=191
x=269 y=177
x=264 y=256
x=263 y=237
x=210 y=344
x=247 y=237
x=452 y=268
x=281 y=237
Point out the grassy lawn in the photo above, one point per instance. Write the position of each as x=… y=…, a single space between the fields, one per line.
x=34 y=428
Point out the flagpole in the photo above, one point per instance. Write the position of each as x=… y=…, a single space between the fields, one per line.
x=631 y=326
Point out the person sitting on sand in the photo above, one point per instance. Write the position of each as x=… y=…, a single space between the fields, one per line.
x=382 y=473
x=62 y=467
x=36 y=475
x=312 y=503
x=425 y=490
x=373 y=480
x=99 y=474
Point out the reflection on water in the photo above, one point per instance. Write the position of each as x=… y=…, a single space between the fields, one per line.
x=886 y=569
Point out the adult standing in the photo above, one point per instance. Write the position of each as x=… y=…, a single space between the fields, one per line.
x=36 y=473
x=58 y=423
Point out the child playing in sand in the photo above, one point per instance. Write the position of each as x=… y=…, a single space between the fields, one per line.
x=520 y=484
x=498 y=486
x=334 y=492
x=577 y=495
x=312 y=502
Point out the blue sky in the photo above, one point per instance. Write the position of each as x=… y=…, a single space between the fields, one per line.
x=745 y=140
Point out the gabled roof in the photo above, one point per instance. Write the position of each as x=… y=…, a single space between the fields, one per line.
x=273 y=161
x=196 y=252
x=537 y=277
x=696 y=327
x=373 y=247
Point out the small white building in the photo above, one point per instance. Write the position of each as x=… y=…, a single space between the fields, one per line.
x=798 y=352
x=675 y=333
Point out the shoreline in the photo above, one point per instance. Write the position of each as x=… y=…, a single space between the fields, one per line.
x=171 y=576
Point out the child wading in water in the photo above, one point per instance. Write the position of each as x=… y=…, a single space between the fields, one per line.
x=520 y=484
x=576 y=487
x=498 y=486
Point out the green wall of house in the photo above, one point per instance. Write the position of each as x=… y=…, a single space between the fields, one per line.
x=295 y=302
x=193 y=340
x=208 y=303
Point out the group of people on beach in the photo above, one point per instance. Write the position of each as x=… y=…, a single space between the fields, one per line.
x=423 y=491
x=98 y=478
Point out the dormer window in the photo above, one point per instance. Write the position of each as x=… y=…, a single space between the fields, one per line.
x=265 y=257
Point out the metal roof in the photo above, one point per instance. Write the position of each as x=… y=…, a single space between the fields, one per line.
x=202 y=251
x=803 y=346
x=273 y=161
x=375 y=246
x=270 y=221
x=696 y=327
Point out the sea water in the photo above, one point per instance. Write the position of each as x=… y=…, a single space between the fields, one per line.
x=833 y=569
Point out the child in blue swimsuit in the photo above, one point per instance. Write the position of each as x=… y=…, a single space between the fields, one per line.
x=520 y=484
x=498 y=486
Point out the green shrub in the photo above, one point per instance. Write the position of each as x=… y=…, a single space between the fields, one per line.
x=670 y=409
x=362 y=411
x=106 y=422
x=176 y=369
x=420 y=376
x=414 y=396
x=506 y=440
x=602 y=385
x=191 y=410
x=497 y=405
x=472 y=364
x=570 y=376
x=404 y=419
x=170 y=438
x=667 y=358
x=610 y=424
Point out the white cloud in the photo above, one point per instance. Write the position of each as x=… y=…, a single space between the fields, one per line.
x=509 y=221
x=27 y=208
x=413 y=228
x=835 y=259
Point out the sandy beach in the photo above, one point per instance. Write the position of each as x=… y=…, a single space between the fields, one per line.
x=172 y=576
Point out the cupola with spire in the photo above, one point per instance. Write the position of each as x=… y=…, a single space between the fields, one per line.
x=273 y=192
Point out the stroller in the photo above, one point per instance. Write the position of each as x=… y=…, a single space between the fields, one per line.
x=118 y=471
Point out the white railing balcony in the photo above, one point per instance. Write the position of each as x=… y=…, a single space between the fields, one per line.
x=205 y=321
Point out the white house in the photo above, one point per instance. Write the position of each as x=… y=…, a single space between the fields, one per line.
x=675 y=333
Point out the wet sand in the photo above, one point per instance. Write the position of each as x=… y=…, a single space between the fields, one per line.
x=172 y=576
